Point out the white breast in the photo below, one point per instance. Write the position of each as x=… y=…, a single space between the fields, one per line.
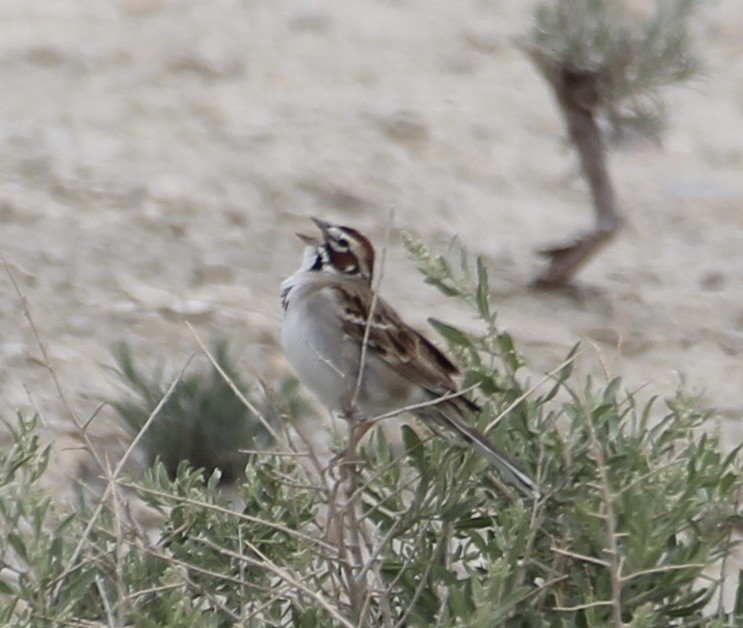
x=314 y=343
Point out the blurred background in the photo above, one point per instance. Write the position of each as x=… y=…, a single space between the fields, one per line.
x=159 y=155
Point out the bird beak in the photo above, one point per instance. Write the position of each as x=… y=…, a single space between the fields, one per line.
x=321 y=225
x=309 y=240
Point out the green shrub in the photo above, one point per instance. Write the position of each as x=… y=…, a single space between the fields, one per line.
x=203 y=421
x=638 y=506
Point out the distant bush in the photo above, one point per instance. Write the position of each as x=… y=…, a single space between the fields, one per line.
x=605 y=64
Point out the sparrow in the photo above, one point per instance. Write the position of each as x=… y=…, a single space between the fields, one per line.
x=335 y=325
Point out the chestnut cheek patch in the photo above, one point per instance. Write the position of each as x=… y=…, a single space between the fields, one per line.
x=345 y=262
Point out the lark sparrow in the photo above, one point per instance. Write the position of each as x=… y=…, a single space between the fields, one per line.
x=328 y=305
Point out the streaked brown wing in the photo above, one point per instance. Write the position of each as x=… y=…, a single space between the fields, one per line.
x=405 y=350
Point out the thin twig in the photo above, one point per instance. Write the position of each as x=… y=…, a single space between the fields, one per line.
x=723 y=564
x=47 y=362
x=581 y=557
x=119 y=549
x=534 y=527
x=582 y=607
x=347 y=519
x=152 y=590
x=50 y=620
x=349 y=545
x=238 y=393
x=664 y=569
x=526 y=394
x=378 y=276
x=354 y=541
x=200 y=590
x=276 y=525
x=423 y=404
x=408 y=560
x=111 y=621
x=615 y=560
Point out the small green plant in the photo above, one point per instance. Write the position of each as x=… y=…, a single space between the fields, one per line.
x=209 y=564
x=35 y=537
x=203 y=421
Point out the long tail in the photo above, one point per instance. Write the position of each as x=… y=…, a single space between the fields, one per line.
x=447 y=415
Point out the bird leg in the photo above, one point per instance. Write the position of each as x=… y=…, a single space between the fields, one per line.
x=358 y=425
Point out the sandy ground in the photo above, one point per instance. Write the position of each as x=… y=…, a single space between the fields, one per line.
x=158 y=155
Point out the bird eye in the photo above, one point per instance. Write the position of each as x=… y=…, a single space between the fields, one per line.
x=343 y=242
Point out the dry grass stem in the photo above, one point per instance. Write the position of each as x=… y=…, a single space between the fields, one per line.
x=531 y=391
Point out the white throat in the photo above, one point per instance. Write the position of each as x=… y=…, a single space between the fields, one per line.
x=308 y=261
